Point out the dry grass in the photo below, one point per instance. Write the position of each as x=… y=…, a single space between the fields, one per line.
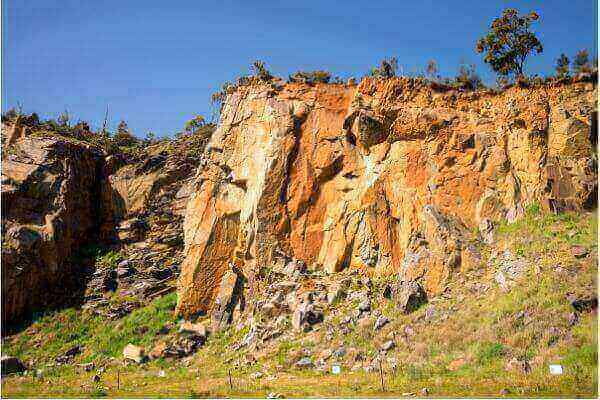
x=462 y=351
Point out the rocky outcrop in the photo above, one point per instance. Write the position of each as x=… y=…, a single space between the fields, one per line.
x=63 y=198
x=49 y=209
x=387 y=177
x=144 y=204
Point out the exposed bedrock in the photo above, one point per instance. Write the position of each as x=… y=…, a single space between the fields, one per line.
x=50 y=191
x=388 y=177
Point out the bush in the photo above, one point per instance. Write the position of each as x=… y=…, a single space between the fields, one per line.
x=581 y=62
x=123 y=136
x=431 y=72
x=387 y=69
x=468 y=78
x=218 y=98
x=260 y=71
x=562 y=66
x=509 y=42
x=310 y=77
x=194 y=124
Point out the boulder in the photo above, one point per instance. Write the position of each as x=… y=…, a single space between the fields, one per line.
x=305 y=316
x=229 y=296
x=305 y=363
x=409 y=296
x=517 y=365
x=197 y=329
x=364 y=305
x=134 y=353
x=579 y=251
x=12 y=365
x=584 y=303
x=68 y=355
x=335 y=293
x=158 y=351
x=389 y=345
x=380 y=322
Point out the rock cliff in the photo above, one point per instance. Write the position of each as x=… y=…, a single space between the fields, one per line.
x=67 y=202
x=389 y=177
x=49 y=209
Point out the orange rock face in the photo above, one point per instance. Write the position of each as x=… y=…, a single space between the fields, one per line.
x=388 y=176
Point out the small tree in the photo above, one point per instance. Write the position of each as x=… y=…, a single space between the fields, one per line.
x=260 y=71
x=218 y=99
x=509 y=42
x=581 y=62
x=63 y=119
x=562 y=66
x=123 y=136
x=387 y=69
x=432 y=70
x=468 y=78
x=150 y=138
x=194 y=124
x=10 y=114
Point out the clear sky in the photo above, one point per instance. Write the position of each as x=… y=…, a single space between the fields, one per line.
x=155 y=63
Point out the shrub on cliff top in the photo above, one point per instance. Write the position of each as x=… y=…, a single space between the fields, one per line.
x=387 y=69
x=562 y=66
x=123 y=136
x=468 y=78
x=310 y=77
x=581 y=62
x=194 y=124
x=509 y=42
x=260 y=71
x=431 y=71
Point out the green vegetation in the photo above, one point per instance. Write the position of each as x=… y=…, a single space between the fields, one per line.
x=387 y=69
x=431 y=71
x=462 y=349
x=123 y=136
x=509 y=42
x=562 y=66
x=260 y=71
x=581 y=62
x=467 y=78
x=194 y=124
x=100 y=338
x=310 y=77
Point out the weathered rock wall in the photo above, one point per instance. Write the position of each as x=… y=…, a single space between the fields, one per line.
x=388 y=176
x=60 y=194
x=50 y=191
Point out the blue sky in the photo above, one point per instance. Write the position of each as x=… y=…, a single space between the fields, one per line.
x=155 y=63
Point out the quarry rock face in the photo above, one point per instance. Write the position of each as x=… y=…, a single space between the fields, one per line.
x=63 y=197
x=49 y=210
x=389 y=177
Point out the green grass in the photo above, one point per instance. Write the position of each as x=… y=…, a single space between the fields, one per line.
x=484 y=330
x=64 y=329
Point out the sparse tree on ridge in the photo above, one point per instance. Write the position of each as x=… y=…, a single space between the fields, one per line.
x=194 y=124
x=432 y=70
x=260 y=71
x=123 y=137
x=562 y=66
x=387 y=69
x=63 y=119
x=581 y=62
x=509 y=42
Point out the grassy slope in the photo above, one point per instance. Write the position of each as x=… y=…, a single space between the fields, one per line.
x=479 y=328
